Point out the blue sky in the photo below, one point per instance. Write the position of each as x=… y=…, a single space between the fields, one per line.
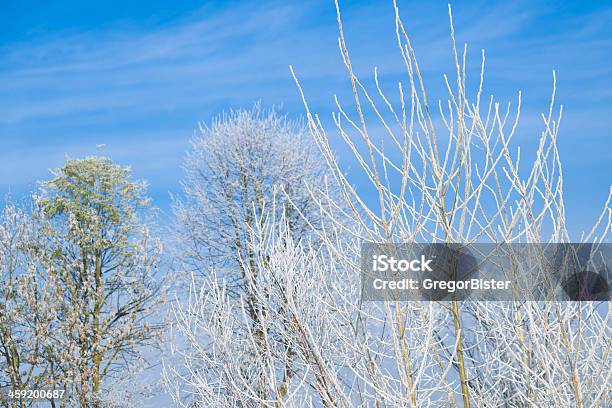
x=139 y=75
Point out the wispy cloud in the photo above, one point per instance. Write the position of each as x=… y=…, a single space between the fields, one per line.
x=142 y=88
x=143 y=70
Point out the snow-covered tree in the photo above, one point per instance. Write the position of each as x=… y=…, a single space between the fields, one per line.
x=24 y=315
x=452 y=176
x=245 y=161
x=247 y=167
x=100 y=260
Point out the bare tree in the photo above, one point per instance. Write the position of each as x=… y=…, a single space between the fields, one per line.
x=461 y=183
x=450 y=177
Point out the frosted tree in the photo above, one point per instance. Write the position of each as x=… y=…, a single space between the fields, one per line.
x=12 y=225
x=24 y=315
x=100 y=260
x=454 y=175
x=238 y=166
x=246 y=167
